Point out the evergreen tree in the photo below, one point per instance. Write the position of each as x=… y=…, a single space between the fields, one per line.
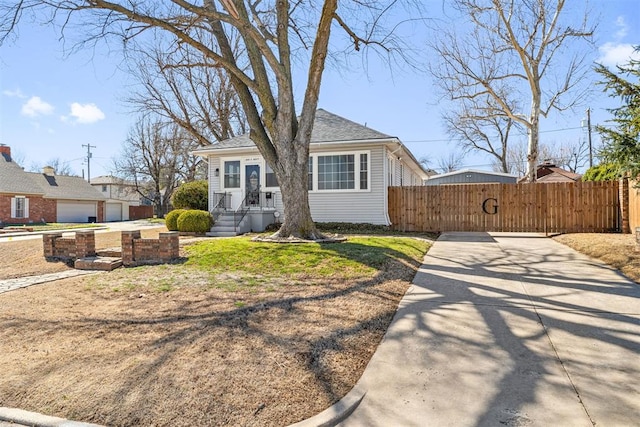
x=622 y=140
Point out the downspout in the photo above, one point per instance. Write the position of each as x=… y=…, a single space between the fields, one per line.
x=385 y=177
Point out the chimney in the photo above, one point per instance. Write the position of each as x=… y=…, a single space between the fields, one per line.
x=49 y=171
x=5 y=151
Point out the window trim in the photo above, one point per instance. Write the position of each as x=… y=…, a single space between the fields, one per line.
x=14 y=207
x=223 y=162
x=356 y=161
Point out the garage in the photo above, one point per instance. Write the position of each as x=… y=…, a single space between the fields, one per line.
x=76 y=211
x=113 y=211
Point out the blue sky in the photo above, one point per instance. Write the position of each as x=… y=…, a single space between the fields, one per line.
x=51 y=103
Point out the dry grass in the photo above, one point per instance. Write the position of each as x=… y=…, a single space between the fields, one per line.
x=617 y=250
x=162 y=346
x=22 y=258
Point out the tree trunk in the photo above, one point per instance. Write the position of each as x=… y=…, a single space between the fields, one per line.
x=534 y=136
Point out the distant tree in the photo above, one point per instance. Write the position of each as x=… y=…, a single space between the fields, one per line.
x=153 y=156
x=451 y=162
x=477 y=124
x=602 y=172
x=513 y=50
x=61 y=167
x=621 y=141
x=191 y=195
x=570 y=155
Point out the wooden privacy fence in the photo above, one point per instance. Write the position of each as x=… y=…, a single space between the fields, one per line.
x=564 y=207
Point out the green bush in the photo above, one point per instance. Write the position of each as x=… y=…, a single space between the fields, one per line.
x=195 y=221
x=191 y=195
x=602 y=172
x=171 y=219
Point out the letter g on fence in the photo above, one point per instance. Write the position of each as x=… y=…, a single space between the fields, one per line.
x=490 y=206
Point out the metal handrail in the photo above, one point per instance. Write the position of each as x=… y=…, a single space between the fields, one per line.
x=240 y=213
x=221 y=206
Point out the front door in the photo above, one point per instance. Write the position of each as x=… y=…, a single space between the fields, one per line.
x=252 y=186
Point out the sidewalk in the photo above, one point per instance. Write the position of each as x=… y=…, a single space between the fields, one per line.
x=507 y=329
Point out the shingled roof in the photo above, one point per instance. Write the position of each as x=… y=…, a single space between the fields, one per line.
x=13 y=179
x=63 y=187
x=327 y=127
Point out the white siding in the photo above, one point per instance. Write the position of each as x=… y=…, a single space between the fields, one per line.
x=354 y=206
x=214 y=181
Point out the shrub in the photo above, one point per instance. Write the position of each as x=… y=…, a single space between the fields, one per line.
x=191 y=195
x=171 y=219
x=195 y=221
x=602 y=172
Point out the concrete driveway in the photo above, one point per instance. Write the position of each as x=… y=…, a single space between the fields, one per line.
x=507 y=330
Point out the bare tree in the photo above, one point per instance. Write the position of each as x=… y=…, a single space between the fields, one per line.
x=199 y=98
x=515 y=49
x=155 y=156
x=451 y=162
x=61 y=167
x=270 y=32
x=570 y=155
x=479 y=125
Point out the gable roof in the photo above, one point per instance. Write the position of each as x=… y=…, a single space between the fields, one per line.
x=64 y=187
x=327 y=127
x=14 y=180
x=548 y=172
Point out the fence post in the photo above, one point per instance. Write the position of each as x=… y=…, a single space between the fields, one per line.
x=49 y=243
x=624 y=205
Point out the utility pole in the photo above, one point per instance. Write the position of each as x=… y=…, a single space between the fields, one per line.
x=589 y=134
x=89 y=147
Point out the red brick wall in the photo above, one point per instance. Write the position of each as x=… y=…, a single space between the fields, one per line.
x=39 y=209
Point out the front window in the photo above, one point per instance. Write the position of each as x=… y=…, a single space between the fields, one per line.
x=336 y=172
x=232 y=174
x=19 y=207
x=364 y=171
x=104 y=188
x=270 y=177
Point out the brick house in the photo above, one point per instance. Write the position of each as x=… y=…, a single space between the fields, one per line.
x=28 y=197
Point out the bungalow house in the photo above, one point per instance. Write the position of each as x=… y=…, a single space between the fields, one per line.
x=120 y=195
x=27 y=197
x=350 y=168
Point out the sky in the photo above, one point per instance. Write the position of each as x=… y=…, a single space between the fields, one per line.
x=53 y=104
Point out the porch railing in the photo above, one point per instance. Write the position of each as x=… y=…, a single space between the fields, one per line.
x=221 y=203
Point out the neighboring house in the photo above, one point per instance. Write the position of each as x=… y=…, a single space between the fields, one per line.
x=470 y=176
x=548 y=172
x=27 y=197
x=350 y=168
x=120 y=195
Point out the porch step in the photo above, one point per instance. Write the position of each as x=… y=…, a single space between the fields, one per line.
x=97 y=263
x=225 y=226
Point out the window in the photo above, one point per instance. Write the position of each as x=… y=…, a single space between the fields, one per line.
x=336 y=172
x=310 y=178
x=104 y=188
x=364 y=171
x=19 y=207
x=271 y=180
x=232 y=174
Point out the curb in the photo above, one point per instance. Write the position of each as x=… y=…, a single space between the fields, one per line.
x=33 y=419
x=337 y=412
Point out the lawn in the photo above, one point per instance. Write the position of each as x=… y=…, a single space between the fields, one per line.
x=617 y=250
x=235 y=333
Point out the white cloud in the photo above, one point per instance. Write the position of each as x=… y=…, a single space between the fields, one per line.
x=35 y=107
x=85 y=113
x=17 y=93
x=612 y=54
x=623 y=28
